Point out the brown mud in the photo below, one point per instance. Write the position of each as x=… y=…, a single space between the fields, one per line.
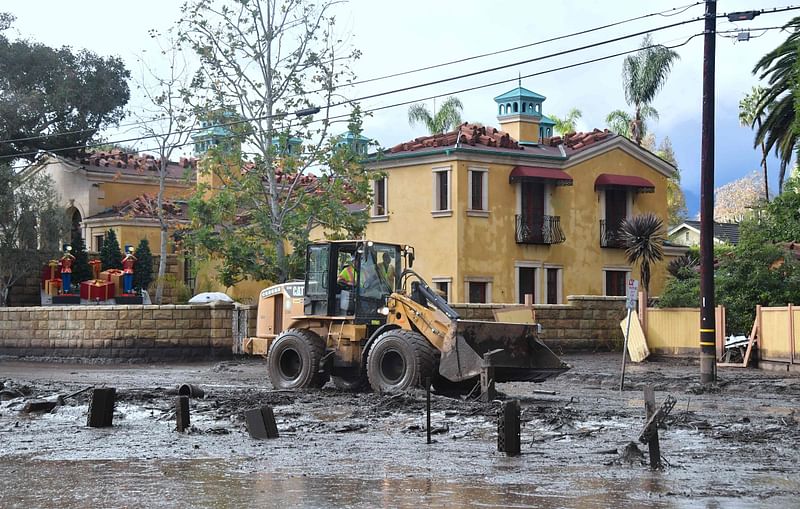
x=734 y=444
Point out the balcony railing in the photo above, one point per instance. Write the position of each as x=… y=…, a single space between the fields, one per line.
x=608 y=234
x=539 y=230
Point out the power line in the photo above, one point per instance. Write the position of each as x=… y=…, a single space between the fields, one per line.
x=444 y=80
x=404 y=103
x=413 y=87
x=677 y=10
x=672 y=12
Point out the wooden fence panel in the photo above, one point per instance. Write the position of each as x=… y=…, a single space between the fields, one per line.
x=673 y=331
x=795 y=317
x=774 y=336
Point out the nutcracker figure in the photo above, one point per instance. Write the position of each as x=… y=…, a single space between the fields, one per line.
x=127 y=270
x=66 y=270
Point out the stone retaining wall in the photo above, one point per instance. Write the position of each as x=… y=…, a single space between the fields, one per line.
x=184 y=332
x=152 y=333
x=587 y=322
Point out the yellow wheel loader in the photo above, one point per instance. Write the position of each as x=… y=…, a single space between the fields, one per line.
x=362 y=321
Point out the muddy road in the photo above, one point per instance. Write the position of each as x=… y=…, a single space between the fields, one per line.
x=735 y=445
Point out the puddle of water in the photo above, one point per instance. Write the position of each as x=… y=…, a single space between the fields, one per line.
x=204 y=483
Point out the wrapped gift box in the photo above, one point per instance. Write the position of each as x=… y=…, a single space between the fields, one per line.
x=97 y=289
x=95 y=265
x=52 y=287
x=115 y=276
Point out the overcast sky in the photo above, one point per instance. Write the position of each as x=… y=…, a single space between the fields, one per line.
x=409 y=34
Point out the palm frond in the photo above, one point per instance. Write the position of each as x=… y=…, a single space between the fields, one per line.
x=419 y=114
x=619 y=122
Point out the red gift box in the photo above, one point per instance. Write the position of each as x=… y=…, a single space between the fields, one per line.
x=97 y=289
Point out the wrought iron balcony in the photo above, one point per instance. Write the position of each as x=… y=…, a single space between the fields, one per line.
x=539 y=230
x=608 y=234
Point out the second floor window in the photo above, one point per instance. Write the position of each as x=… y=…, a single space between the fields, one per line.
x=478 y=190
x=441 y=190
x=379 y=197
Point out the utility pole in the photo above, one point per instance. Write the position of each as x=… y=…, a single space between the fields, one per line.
x=708 y=362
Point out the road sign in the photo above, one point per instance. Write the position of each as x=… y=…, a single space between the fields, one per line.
x=632 y=294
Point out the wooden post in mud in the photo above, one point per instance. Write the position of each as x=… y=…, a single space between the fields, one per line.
x=182 y=413
x=428 y=406
x=101 y=408
x=508 y=440
x=652 y=444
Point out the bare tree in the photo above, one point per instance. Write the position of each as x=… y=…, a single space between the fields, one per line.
x=277 y=64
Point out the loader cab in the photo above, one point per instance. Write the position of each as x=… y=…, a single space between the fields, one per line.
x=351 y=278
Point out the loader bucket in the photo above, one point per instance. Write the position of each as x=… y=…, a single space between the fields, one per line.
x=515 y=352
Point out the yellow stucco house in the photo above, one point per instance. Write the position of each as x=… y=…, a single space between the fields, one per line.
x=97 y=182
x=497 y=214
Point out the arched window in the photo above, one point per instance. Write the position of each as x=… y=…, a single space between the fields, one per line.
x=523 y=107
x=516 y=107
x=508 y=108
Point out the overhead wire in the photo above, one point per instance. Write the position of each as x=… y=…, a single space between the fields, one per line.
x=666 y=13
x=412 y=87
x=404 y=103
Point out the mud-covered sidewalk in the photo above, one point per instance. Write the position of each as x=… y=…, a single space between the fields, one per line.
x=734 y=445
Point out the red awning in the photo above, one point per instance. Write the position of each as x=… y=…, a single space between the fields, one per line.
x=538 y=174
x=610 y=180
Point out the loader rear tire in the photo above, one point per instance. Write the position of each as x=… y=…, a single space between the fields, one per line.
x=293 y=361
x=400 y=360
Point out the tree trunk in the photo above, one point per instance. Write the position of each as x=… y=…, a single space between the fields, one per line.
x=636 y=128
x=162 y=261
x=4 y=296
x=764 y=165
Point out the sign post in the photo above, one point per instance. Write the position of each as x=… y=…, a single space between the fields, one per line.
x=632 y=295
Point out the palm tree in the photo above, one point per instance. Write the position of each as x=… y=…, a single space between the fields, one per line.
x=777 y=104
x=643 y=238
x=567 y=124
x=446 y=119
x=621 y=122
x=748 y=107
x=643 y=75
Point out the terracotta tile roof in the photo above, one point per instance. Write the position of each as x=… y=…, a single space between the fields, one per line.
x=465 y=134
x=577 y=141
x=145 y=207
x=122 y=163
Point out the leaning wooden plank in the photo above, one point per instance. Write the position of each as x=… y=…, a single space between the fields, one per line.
x=637 y=344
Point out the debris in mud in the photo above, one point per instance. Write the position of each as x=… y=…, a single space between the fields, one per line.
x=9 y=394
x=349 y=427
x=704 y=389
x=38 y=406
x=631 y=454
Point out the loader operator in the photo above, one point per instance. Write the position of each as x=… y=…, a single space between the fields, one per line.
x=347 y=276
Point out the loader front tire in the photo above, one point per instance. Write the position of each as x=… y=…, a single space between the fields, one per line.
x=400 y=360
x=293 y=361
